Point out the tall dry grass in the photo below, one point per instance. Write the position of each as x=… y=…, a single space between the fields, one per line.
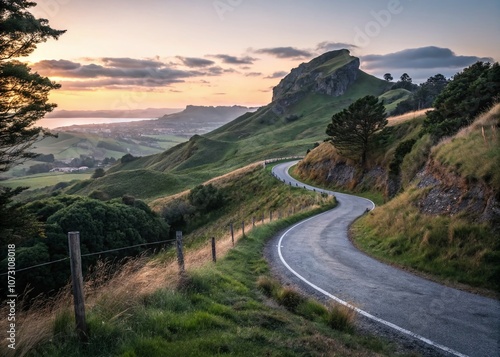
x=398 y=119
x=113 y=291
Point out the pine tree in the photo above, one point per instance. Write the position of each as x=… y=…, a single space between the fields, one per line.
x=352 y=129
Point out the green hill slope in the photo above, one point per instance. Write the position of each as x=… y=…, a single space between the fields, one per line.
x=443 y=217
x=302 y=106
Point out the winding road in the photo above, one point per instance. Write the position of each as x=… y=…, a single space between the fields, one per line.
x=317 y=254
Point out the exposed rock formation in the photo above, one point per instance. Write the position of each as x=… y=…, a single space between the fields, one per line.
x=450 y=194
x=331 y=74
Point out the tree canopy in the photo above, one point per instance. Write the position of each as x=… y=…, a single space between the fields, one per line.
x=470 y=93
x=23 y=99
x=23 y=94
x=20 y=31
x=352 y=129
x=102 y=226
x=405 y=82
x=424 y=96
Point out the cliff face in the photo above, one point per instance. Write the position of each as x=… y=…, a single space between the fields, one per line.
x=443 y=192
x=451 y=194
x=330 y=74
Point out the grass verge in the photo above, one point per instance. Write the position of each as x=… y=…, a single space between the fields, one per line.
x=217 y=309
x=450 y=249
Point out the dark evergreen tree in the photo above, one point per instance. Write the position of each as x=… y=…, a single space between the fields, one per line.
x=470 y=93
x=352 y=129
x=23 y=100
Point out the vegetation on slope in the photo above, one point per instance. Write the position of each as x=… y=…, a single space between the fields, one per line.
x=233 y=307
x=254 y=136
x=460 y=246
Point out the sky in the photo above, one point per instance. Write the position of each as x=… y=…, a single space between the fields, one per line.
x=129 y=54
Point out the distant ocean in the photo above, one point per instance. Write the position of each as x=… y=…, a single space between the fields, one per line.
x=52 y=123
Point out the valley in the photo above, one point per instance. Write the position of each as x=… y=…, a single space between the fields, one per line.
x=215 y=176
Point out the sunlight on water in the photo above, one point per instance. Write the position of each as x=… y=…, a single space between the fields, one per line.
x=52 y=123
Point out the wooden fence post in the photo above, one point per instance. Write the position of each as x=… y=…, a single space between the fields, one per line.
x=243 y=228
x=77 y=282
x=180 y=253
x=232 y=233
x=270 y=216
x=253 y=221
x=262 y=217
x=214 y=255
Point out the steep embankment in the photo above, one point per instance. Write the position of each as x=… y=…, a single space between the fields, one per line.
x=446 y=218
x=325 y=166
x=233 y=306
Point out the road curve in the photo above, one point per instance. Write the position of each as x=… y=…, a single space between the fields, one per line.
x=317 y=254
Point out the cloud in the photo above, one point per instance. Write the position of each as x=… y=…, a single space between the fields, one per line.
x=195 y=62
x=235 y=60
x=125 y=72
x=285 y=52
x=253 y=74
x=55 y=65
x=130 y=63
x=420 y=63
x=327 y=46
x=275 y=75
x=424 y=57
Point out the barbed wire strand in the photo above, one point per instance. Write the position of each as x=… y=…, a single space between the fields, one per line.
x=90 y=254
x=132 y=246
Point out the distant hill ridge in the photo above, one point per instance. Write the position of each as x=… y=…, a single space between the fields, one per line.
x=303 y=104
x=209 y=113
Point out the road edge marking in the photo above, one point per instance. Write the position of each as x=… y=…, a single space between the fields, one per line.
x=345 y=303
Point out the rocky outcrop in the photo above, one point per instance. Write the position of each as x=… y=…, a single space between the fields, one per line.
x=443 y=192
x=330 y=74
x=451 y=194
x=324 y=165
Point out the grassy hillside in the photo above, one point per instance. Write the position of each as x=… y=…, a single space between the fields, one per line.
x=317 y=164
x=73 y=144
x=233 y=307
x=44 y=180
x=474 y=153
x=461 y=246
x=249 y=138
x=393 y=97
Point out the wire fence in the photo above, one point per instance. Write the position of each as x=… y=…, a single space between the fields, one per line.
x=91 y=254
x=266 y=162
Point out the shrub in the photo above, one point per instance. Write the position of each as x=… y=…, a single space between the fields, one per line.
x=341 y=317
x=128 y=158
x=99 y=172
x=267 y=285
x=290 y=298
x=206 y=198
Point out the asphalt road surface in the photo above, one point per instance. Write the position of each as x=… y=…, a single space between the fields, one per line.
x=318 y=255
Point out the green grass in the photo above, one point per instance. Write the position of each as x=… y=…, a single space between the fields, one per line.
x=44 y=180
x=474 y=153
x=144 y=184
x=449 y=248
x=217 y=310
x=393 y=97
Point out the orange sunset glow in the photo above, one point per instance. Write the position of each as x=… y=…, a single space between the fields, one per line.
x=130 y=55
